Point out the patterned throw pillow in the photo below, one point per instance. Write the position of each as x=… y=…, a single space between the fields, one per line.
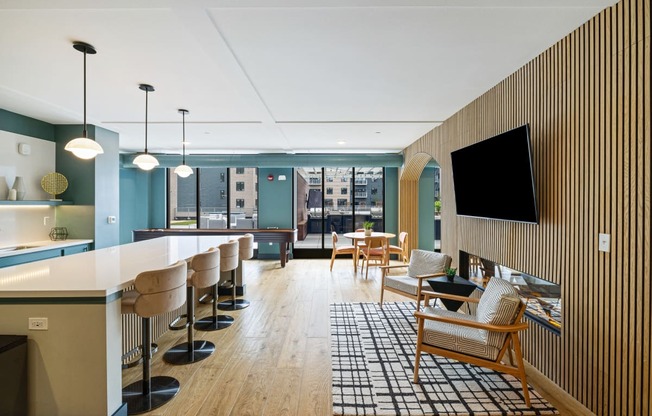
x=427 y=262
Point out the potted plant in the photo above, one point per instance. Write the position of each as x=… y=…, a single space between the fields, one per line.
x=368 y=227
x=437 y=207
x=450 y=272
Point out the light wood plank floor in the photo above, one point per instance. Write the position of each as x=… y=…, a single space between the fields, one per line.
x=275 y=359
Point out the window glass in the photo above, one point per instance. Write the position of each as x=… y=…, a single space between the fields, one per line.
x=212 y=198
x=182 y=200
x=244 y=199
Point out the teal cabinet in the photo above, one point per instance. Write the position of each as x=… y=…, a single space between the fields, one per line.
x=42 y=255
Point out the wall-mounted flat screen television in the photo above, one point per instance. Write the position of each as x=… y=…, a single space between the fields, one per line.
x=494 y=178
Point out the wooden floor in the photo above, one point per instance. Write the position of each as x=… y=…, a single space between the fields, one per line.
x=275 y=359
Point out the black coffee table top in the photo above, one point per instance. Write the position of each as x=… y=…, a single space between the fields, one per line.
x=458 y=286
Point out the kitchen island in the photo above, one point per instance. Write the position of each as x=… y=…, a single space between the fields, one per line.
x=74 y=366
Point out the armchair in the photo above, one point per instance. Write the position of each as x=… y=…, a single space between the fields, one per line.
x=423 y=265
x=481 y=339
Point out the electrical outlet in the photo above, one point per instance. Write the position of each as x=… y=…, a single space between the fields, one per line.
x=38 y=324
x=111 y=219
x=604 y=241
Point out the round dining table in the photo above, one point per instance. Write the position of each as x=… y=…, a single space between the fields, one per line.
x=359 y=236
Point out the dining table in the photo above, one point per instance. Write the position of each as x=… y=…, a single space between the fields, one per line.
x=358 y=237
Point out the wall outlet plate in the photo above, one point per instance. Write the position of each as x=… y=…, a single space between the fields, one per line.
x=604 y=242
x=38 y=324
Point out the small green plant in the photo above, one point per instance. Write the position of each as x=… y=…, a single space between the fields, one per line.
x=450 y=272
x=368 y=225
x=437 y=207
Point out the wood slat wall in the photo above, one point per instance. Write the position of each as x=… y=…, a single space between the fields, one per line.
x=587 y=100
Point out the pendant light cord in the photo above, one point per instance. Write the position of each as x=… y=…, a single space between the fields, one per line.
x=85 y=133
x=146 y=95
x=184 y=138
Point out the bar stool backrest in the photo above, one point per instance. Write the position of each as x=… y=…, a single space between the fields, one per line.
x=205 y=268
x=229 y=255
x=161 y=291
x=246 y=246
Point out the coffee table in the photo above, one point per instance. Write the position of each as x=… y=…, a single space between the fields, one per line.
x=458 y=286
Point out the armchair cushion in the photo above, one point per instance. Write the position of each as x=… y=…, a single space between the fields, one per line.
x=458 y=338
x=427 y=262
x=405 y=284
x=498 y=306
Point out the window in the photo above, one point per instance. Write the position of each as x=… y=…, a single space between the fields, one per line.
x=374 y=191
x=329 y=191
x=344 y=191
x=239 y=203
x=222 y=177
x=328 y=202
x=240 y=171
x=342 y=202
x=239 y=186
x=222 y=194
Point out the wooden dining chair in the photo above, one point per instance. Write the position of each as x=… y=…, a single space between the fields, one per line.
x=374 y=249
x=402 y=250
x=345 y=249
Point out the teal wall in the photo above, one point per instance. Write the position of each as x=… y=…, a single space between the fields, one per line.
x=26 y=126
x=275 y=204
x=391 y=202
x=142 y=201
x=107 y=189
x=427 y=209
x=79 y=172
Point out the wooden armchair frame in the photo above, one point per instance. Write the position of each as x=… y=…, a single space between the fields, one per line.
x=512 y=339
x=419 y=296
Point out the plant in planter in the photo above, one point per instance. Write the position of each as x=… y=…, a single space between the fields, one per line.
x=437 y=207
x=368 y=227
x=450 y=272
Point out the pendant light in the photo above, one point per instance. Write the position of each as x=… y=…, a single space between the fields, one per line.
x=146 y=161
x=83 y=147
x=183 y=170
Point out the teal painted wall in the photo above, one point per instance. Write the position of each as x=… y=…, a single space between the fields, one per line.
x=275 y=204
x=391 y=202
x=427 y=209
x=79 y=172
x=26 y=126
x=142 y=201
x=107 y=189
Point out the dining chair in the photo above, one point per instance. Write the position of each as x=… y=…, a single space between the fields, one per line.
x=402 y=250
x=374 y=249
x=345 y=249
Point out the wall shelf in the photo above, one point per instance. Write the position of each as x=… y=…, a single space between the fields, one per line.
x=44 y=203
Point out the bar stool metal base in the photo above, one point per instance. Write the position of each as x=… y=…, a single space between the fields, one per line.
x=164 y=388
x=229 y=305
x=216 y=323
x=182 y=354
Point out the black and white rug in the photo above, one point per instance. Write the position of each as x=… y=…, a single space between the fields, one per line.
x=372 y=357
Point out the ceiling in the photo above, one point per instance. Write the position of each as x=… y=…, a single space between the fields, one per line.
x=263 y=76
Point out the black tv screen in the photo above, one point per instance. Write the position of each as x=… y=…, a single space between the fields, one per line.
x=494 y=178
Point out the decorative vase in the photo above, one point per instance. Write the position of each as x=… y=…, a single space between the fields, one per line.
x=19 y=186
x=4 y=188
x=368 y=231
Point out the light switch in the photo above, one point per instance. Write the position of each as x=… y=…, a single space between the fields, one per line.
x=604 y=242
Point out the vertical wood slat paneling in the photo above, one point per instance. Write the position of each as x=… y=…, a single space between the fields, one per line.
x=587 y=100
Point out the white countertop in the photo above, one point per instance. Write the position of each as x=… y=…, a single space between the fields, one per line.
x=35 y=246
x=99 y=273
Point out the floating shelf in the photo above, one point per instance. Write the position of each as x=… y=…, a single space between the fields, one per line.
x=43 y=203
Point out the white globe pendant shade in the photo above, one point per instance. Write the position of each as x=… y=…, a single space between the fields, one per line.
x=84 y=148
x=183 y=171
x=146 y=161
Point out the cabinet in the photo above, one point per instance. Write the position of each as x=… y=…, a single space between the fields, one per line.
x=42 y=255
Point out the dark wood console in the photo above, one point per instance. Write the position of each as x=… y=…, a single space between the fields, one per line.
x=281 y=236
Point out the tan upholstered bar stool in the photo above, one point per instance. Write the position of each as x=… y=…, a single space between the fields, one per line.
x=245 y=252
x=203 y=271
x=156 y=292
x=228 y=262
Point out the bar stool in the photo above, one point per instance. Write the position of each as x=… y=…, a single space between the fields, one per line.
x=203 y=271
x=156 y=292
x=228 y=262
x=245 y=252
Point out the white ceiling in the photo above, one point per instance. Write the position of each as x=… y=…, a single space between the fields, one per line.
x=270 y=76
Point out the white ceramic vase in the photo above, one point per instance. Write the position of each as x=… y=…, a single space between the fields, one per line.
x=19 y=186
x=4 y=188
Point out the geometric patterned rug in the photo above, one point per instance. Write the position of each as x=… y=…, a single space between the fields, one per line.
x=372 y=358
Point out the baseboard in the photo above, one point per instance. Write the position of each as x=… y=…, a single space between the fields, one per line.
x=558 y=397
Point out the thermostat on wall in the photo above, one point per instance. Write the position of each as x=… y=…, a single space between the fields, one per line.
x=24 y=149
